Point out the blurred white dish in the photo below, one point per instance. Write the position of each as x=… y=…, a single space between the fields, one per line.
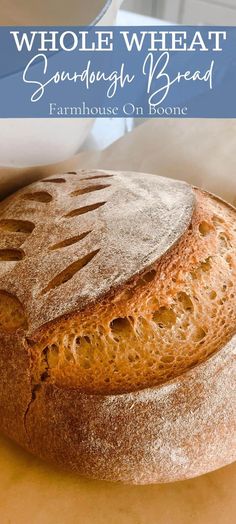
x=34 y=141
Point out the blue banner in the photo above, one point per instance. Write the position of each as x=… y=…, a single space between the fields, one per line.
x=143 y=72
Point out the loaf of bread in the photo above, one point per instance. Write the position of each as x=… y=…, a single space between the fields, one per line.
x=117 y=325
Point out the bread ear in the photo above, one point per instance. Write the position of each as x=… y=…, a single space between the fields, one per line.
x=117 y=325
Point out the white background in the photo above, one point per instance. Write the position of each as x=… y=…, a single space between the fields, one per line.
x=220 y=12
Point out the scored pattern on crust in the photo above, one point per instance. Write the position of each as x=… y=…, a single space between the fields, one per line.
x=172 y=312
x=16 y=226
x=132 y=333
x=168 y=319
x=122 y=220
x=69 y=272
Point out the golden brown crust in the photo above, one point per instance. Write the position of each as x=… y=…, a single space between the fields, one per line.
x=173 y=431
x=15 y=385
x=159 y=324
x=131 y=207
x=176 y=431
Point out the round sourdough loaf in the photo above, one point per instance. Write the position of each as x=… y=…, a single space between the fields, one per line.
x=117 y=325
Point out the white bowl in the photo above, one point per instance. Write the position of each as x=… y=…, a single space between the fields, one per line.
x=25 y=142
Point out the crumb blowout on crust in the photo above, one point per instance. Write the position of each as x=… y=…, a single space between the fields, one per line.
x=115 y=289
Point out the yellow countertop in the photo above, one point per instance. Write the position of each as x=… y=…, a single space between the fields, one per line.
x=32 y=492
